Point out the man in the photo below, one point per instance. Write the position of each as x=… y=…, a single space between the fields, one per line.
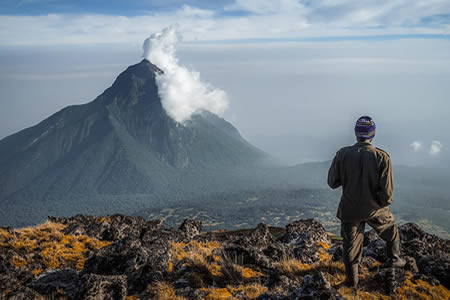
x=365 y=174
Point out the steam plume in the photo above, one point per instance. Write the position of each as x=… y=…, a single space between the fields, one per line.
x=181 y=90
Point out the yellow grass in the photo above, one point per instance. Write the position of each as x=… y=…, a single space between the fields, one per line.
x=218 y=294
x=294 y=266
x=186 y=250
x=19 y=261
x=252 y=291
x=198 y=256
x=163 y=291
x=250 y=273
x=36 y=272
x=55 y=248
x=323 y=245
x=420 y=289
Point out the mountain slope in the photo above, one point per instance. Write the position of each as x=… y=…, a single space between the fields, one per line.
x=122 y=143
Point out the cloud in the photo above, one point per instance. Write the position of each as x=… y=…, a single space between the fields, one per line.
x=435 y=147
x=268 y=7
x=190 y=11
x=416 y=145
x=262 y=19
x=182 y=92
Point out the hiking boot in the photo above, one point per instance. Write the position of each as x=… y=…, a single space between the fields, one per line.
x=393 y=253
x=352 y=275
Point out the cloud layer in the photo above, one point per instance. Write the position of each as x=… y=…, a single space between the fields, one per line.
x=181 y=90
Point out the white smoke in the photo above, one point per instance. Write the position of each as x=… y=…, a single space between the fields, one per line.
x=181 y=90
x=435 y=147
x=416 y=145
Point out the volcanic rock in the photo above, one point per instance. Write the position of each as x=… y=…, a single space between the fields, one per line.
x=259 y=238
x=191 y=228
x=104 y=287
x=140 y=265
x=48 y=283
x=315 y=287
x=432 y=254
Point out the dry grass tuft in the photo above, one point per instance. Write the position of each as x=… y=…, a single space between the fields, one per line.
x=56 y=249
x=193 y=248
x=19 y=261
x=419 y=289
x=252 y=291
x=218 y=294
x=294 y=267
x=199 y=256
x=250 y=273
x=36 y=272
x=163 y=291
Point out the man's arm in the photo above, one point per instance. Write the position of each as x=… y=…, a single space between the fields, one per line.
x=386 y=185
x=334 y=179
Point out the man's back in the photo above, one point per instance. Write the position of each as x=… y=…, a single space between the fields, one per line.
x=365 y=174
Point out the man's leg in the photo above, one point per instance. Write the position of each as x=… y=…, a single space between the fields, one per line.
x=353 y=238
x=384 y=225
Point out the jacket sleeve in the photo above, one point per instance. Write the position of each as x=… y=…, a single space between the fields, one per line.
x=334 y=180
x=386 y=185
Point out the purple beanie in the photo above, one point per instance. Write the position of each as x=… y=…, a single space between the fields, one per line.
x=365 y=127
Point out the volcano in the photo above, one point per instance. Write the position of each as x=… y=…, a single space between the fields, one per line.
x=115 y=153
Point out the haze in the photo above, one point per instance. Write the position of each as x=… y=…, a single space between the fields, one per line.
x=296 y=75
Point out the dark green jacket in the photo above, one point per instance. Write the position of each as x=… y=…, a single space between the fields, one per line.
x=365 y=174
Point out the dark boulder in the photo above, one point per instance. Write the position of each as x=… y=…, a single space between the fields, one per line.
x=278 y=251
x=259 y=238
x=270 y=296
x=303 y=240
x=315 y=287
x=104 y=287
x=247 y=256
x=305 y=232
x=191 y=228
x=432 y=254
x=376 y=249
x=49 y=282
x=140 y=264
x=190 y=293
x=24 y=293
x=370 y=236
x=109 y=228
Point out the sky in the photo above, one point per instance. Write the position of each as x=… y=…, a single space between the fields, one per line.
x=297 y=74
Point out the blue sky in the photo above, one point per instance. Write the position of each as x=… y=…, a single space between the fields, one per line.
x=112 y=7
x=53 y=22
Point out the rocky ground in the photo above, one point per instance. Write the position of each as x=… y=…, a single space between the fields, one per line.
x=123 y=257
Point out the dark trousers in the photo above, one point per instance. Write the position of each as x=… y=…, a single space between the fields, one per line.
x=353 y=235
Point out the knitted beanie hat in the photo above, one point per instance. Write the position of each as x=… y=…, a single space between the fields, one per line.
x=365 y=127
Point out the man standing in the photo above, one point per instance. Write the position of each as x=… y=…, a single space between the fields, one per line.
x=365 y=174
